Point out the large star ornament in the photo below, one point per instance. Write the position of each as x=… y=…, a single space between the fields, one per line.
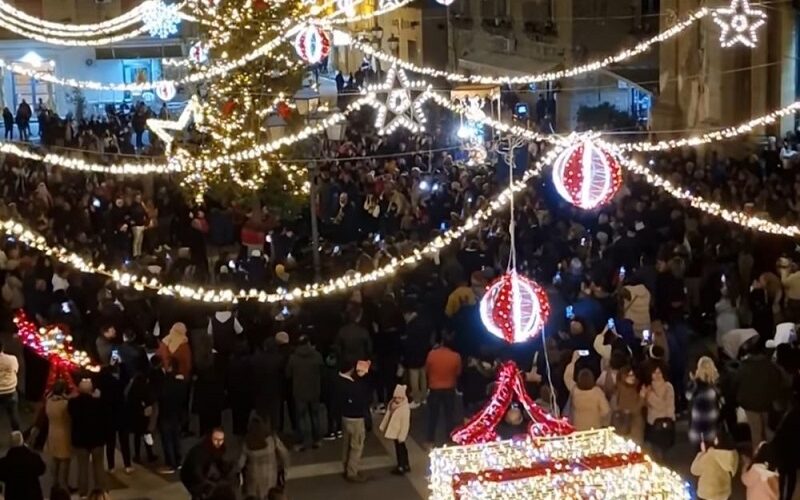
x=407 y=111
x=739 y=23
x=192 y=113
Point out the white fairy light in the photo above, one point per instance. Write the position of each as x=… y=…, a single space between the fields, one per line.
x=161 y=20
x=739 y=23
x=407 y=113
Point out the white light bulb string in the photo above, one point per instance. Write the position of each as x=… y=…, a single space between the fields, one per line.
x=338 y=285
x=712 y=208
x=537 y=77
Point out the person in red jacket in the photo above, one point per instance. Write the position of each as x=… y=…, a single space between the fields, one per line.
x=443 y=366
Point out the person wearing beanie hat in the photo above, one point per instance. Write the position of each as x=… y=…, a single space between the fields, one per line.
x=20 y=470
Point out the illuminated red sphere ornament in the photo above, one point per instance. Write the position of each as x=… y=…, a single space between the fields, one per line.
x=514 y=308
x=312 y=44
x=587 y=175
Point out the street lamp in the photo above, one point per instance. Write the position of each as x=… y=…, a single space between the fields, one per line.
x=276 y=127
x=307 y=102
x=335 y=130
x=377 y=32
x=394 y=44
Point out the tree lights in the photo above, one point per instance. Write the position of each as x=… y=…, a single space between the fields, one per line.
x=52 y=343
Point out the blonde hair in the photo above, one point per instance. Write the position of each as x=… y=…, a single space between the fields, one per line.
x=706 y=371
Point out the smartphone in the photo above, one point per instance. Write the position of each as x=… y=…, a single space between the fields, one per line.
x=336 y=250
x=443 y=226
x=647 y=336
x=622 y=272
x=115 y=354
x=570 y=312
x=285 y=311
x=424 y=186
x=232 y=264
x=96 y=203
x=557 y=278
x=65 y=308
x=583 y=352
x=583 y=241
x=611 y=324
x=268 y=238
x=722 y=279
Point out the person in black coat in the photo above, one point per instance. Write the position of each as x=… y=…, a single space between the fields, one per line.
x=270 y=364
x=112 y=384
x=91 y=423
x=20 y=470
x=209 y=399
x=416 y=342
x=240 y=388
x=206 y=468
x=172 y=393
x=786 y=444
x=139 y=408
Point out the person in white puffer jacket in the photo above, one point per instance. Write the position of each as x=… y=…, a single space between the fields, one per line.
x=636 y=307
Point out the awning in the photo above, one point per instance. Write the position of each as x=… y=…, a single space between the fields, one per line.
x=645 y=79
x=499 y=64
x=475 y=90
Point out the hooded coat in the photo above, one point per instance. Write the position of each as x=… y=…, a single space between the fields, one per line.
x=715 y=468
x=396 y=422
x=305 y=371
x=261 y=467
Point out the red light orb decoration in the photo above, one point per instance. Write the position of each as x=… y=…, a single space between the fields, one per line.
x=587 y=175
x=514 y=308
x=312 y=44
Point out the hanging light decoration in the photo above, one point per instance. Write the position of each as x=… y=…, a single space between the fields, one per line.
x=514 y=307
x=587 y=175
x=312 y=44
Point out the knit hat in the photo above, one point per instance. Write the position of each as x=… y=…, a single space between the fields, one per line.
x=282 y=338
x=280 y=272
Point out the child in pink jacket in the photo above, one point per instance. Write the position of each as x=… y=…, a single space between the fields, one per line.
x=759 y=477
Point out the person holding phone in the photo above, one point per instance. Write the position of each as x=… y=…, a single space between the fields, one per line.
x=589 y=407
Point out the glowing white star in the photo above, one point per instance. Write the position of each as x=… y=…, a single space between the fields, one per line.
x=408 y=112
x=739 y=23
x=192 y=113
x=161 y=20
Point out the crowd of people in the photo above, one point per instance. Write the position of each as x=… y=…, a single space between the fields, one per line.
x=659 y=313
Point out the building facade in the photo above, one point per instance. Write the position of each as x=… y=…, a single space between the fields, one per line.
x=700 y=79
x=135 y=60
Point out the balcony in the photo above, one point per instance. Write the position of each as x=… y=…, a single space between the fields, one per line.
x=462 y=22
x=546 y=32
x=498 y=26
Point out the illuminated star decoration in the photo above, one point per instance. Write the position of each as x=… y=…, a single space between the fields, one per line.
x=407 y=111
x=191 y=113
x=387 y=4
x=161 y=20
x=739 y=23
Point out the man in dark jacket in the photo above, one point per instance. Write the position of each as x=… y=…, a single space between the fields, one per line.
x=416 y=344
x=112 y=383
x=20 y=470
x=172 y=394
x=353 y=341
x=206 y=469
x=304 y=369
x=760 y=386
x=270 y=364
x=90 y=427
x=354 y=403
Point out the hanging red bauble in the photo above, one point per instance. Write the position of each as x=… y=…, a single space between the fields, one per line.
x=587 y=175
x=514 y=308
x=259 y=4
x=283 y=109
x=228 y=108
x=312 y=44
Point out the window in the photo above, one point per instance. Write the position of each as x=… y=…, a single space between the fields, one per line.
x=494 y=8
x=30 y=89
x=537 y=11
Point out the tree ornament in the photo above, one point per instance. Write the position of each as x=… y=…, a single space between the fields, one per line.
x=161 y=20
x=514 y=308
x=228 y=108
x=312 y=44
x=165 y=90
x=283 y=109
x=586 y=175
x=199 y=52
x=260 y=4
x=738 y=23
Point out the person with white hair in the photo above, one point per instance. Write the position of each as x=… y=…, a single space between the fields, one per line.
x=20 y=470
x=704 y=397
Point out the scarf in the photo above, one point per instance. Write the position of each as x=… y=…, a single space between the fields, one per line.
x=176 y=337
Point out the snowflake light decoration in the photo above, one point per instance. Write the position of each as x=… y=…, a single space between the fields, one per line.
x=407 y=111
x=738 y=23
x=161 y=20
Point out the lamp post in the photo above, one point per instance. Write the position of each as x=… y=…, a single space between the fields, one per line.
x=276 y=127
x=394 y=44
x=377 y=41
x=307 y=101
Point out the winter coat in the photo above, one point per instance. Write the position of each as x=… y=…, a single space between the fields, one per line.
x=12 y=293
x=637 y=309
x=715 y=469
x=761 y=483
x=269 y=376
x=759 y=384
x=787 y=440
x=59 y=427
x=589 y=408
x=704 y=416
x=416 y=342
x=628 y=400
x=182 y=355
x=660 y=402
x=91 y=421
x=138 y=397
x=20 y=470
x=172 y=396
x=305 y=371
x=203 y=470
x=261 y=467
x=727 y=318
x=354 y=342
x=397 y=420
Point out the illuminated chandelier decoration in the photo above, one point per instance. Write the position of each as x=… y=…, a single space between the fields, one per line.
x=738 y=23
x=161 y=20
x=587 y=175
x=312 y=44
